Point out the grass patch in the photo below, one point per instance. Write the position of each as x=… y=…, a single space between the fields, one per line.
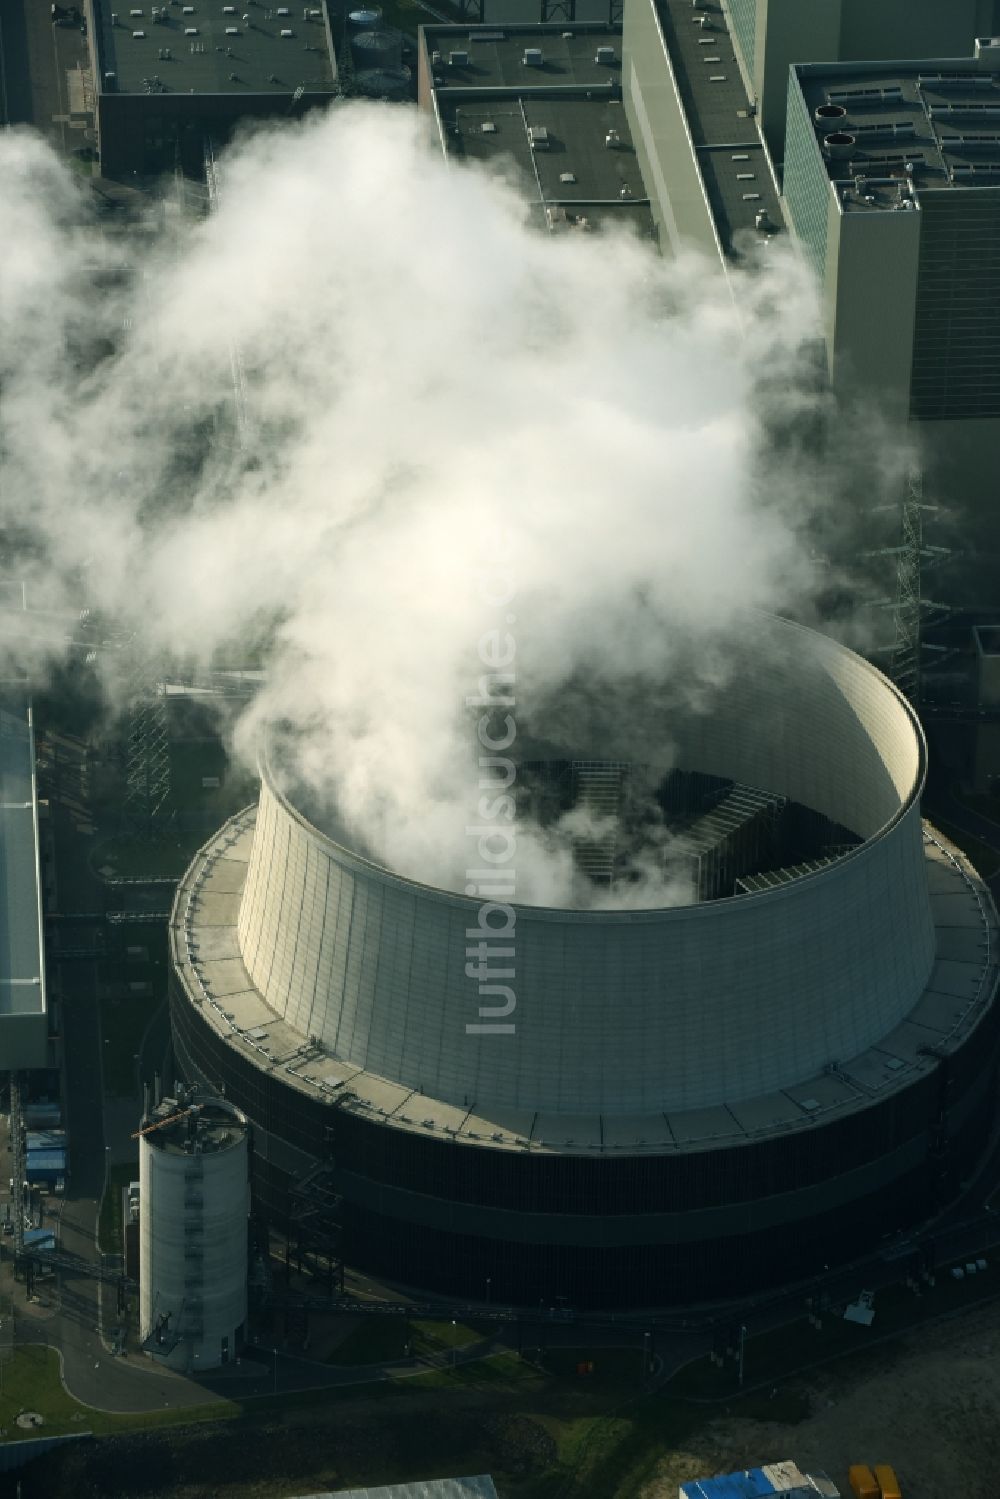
x=382 y=1340
x=772 y=1355
x=376 y=1340
x=110 y=1231
x=31 y=1382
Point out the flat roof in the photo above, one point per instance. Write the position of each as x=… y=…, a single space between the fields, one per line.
x=561 y=125
x=496 y=56
x=22 y=977
x=735 y=167
x=213 y=47
x=205 y=950
x=890 y=127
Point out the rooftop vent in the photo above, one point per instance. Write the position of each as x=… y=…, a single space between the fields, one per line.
x=605 y=56
x=136 y=12
x=567 y=176
x=283 y=10
x=533 y=57
x=187 y=10
x=830 y=112
x=853 y=97
x=612 y=139
x=232 y=31
x=538 y=137
x=488 y=127
x=138 y=34
x=458 y=59
x=286 y=31
x=190 y=31
x=839 y=144
x=987 y=53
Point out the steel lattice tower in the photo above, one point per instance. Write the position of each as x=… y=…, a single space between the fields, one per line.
x=910 y=610
x=147 y=777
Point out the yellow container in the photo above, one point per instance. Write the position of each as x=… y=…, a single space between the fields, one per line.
x=887 y=1481
x=864 y=1484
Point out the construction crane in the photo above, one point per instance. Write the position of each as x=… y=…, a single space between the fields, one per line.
x=148 y=1129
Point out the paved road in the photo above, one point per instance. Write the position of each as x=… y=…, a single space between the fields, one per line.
x=36 y=59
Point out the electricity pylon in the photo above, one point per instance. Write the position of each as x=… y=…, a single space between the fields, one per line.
x=911 y=611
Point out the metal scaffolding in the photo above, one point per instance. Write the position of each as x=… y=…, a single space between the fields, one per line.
x=910 y=610
x=147 y=772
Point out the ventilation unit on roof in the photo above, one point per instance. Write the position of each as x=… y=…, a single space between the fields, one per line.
x=987 y=52
x=533 y=57
x=286 y=32
x=138 y=34
x=232 y=31
x=458 y=59
x=488 y=127
x=864 y=96
x=538 y=137
x=605 y=56
x=190 y=31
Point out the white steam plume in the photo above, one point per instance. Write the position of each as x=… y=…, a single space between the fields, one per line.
x=435 y=388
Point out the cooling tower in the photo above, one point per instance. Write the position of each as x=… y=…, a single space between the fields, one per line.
x=662 y=1104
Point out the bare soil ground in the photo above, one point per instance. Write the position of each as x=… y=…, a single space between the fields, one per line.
x=929 y=1405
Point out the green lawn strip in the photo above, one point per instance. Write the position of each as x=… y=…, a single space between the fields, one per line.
x=375 y=1340
x=31 y=1382
x=388 y=1339
x=109 y=1224
x=771 y=1355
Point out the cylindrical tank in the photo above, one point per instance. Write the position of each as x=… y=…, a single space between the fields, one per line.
x=381 y=49
x=384 y=83
x=365 y=20
x=194 y=1204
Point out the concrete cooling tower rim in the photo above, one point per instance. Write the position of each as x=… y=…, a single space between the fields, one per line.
x=766 y=632
x=650 y=1031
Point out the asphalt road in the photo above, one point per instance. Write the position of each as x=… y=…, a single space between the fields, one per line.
x=35 y=59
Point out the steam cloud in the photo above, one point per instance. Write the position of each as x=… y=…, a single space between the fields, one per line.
x=434 y=392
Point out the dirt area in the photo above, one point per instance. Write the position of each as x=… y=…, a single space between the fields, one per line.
x=929 y=1405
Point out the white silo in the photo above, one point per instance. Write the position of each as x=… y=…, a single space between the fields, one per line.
x=195 y=1200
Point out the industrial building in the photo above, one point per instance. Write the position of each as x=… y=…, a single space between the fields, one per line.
x=771 y=35
x=892 y=186
x=194 y=1209
x=168 y=76
x=24 y=1038
x=545 y=100
x=696 y=1100
x=709 y=176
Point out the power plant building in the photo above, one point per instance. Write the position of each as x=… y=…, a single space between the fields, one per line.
x=167 y=76
x=710 y=179
x=24 y=1024
x=892 y=187
x=547 y=99
x=194 y=1195
x=690 y=1101
x=772 y=35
